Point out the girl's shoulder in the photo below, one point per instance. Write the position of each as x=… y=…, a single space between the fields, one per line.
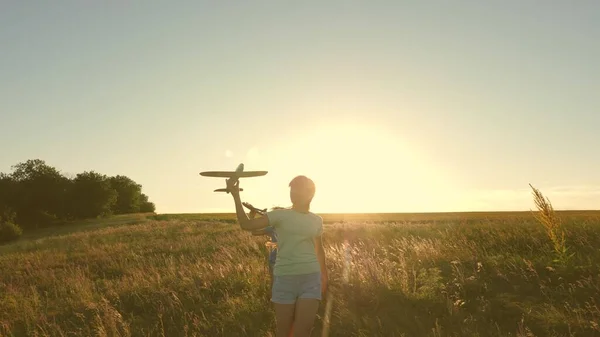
x=317 y=217
x=289 y=214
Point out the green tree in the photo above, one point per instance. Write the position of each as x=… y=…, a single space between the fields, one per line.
x=36 y=194
x=91 y=195
x=39 y=193
x=7 y=192
x=128 y=195
x=145 y=205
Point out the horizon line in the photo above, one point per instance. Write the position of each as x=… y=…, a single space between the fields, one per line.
x=440 y=212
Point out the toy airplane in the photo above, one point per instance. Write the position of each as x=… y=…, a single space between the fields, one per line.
x=234 y=175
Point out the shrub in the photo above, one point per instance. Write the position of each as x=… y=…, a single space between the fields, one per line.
x=9 y=231
x=7 y=214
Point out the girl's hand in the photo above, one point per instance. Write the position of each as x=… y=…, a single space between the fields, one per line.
x=252 y=213
x=233 y=186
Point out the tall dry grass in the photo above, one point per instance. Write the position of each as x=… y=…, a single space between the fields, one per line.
x=474 y=277
x=552 y=223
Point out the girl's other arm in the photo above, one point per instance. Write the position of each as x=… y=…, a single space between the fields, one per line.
x=321 y=257
x=259 y=232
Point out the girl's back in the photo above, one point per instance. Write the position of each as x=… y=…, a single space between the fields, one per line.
x=295 y=246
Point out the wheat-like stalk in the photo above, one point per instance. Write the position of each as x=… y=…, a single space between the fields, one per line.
x=547 y=217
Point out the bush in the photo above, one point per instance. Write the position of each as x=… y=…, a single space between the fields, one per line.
x=7 y=214
x=9 y=232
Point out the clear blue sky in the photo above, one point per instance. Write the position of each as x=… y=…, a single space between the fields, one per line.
x=388 y=105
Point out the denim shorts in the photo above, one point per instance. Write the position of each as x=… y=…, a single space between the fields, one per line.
x=288 y=288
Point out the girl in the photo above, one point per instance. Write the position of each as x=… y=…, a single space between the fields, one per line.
x=300 y=274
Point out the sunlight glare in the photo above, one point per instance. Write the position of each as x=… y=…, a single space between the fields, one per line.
x=358 y=169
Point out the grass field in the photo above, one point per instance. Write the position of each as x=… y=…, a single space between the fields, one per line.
x=461 y=274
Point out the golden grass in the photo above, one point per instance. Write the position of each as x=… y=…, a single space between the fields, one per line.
x=552 y=223
x=492 y=276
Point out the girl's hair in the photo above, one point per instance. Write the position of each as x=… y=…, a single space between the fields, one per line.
x=304 y=183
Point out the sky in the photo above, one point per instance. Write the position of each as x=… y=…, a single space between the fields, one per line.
x=389 y=106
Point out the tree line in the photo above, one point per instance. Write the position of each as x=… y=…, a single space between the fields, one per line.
x=36 y=194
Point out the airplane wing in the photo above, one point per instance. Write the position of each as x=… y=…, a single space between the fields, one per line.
x=233 y=174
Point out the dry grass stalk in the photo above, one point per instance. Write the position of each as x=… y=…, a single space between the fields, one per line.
x=551 y=222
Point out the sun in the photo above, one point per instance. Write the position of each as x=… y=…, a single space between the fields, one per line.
x=357 y=169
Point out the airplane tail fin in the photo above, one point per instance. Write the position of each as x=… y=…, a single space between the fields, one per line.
x=225 y=190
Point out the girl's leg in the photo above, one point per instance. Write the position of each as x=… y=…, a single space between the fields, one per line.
x=305 y=313
x=284 y=300
x=307 y=305
x=284 y=314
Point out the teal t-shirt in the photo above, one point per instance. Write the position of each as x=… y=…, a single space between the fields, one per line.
x=295 y=246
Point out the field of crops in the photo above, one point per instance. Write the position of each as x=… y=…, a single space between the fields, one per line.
x=463 y=274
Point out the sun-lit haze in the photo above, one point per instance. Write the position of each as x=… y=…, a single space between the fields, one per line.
x=389 y=106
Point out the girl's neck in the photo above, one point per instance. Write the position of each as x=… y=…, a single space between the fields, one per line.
x=301 y=208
